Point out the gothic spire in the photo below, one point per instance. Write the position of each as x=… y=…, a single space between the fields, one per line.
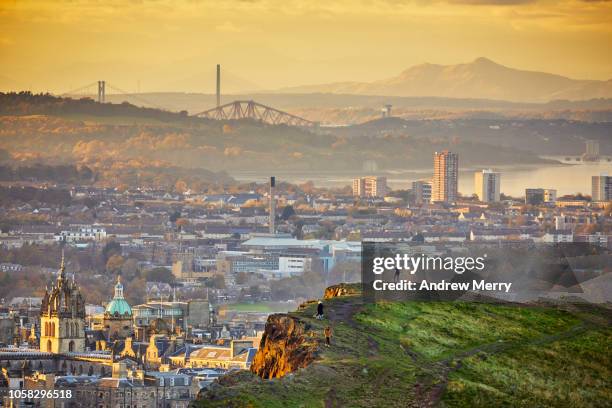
x=62 y=270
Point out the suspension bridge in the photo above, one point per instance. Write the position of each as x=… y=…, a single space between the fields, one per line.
x=236 y=110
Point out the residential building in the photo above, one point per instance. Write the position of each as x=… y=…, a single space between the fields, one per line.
x=487 y=185
x=370 y=186
x=446 y=177
x=536 y=196
x=422 y=191
x=601 y=187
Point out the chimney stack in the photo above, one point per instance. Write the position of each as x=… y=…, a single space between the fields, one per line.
x=218 y=85
x=272 y=205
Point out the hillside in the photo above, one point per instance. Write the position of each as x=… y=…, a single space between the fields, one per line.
x=417 y=354
x=481 y=78
x=65 y=131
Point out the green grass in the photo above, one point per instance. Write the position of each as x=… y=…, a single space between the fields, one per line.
x=574 y=372
x=451 y=353
x=262 y=307
x=440 y=329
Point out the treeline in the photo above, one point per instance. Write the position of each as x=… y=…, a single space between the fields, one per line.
x=43 y=172
x=27 y=103
x=50 y=196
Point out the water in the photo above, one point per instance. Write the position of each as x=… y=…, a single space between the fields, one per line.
x=565 y=178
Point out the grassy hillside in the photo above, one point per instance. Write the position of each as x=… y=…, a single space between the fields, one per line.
x=440 y=354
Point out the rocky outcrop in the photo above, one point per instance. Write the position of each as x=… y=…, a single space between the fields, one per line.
x=285 y=346
x=342 y=289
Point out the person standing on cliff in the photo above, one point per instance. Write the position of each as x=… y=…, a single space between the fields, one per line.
x=328 y=333
x=320 y=310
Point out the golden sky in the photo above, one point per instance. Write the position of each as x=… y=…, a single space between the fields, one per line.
x=58 y=45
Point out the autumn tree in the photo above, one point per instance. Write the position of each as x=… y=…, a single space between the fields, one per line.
x=114 y=264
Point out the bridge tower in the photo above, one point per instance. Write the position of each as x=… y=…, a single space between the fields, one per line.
x=101 y=91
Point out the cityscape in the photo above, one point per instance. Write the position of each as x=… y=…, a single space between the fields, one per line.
x=261 y=204
x=214 y=258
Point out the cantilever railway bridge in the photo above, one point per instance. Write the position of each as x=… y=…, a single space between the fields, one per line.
x=256 y=111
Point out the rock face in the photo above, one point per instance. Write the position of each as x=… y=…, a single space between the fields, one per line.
x=285 y=346
x=343 y=289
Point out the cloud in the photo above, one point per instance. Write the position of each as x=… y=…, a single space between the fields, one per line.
x=228 y=27
x=492 y=2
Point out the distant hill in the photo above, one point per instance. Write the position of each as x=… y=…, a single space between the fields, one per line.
x=481 y=78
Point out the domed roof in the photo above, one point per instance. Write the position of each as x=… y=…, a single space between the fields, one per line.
x=118 y=307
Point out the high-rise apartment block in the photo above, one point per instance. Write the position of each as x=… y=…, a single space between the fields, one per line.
x=371 y=186
x=422 y=191
x=446 y=177
x=602 y=188
x=487 y=185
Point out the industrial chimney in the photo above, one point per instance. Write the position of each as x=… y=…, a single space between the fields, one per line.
x=218 y=85
x=272 y=205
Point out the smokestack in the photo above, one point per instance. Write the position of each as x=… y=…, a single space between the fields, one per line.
x=218 y=85
x=272 y=205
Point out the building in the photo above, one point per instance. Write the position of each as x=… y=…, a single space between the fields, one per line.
x=487 y=185
x=62 y=316
x=602 y=188
x=175 y=317
x=128 y=387
x=370 y=186
x=550 y=195
x=592 y=149
x=446 y=177
x=422 y=191
x=7 y=329
x=83 y=233
x=537 y=196
x=118 y=315
x=239 y=355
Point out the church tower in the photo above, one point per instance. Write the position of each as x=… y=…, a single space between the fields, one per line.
x=62 y=316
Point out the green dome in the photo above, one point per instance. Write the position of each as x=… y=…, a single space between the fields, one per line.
x=118 y=306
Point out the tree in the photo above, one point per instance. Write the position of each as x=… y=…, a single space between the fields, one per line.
x=111 y=248
x=159 y=274
x=242 y=278
x=175 y=216
x=180 y=186
x=129 y=269
x=181 y=223
x=287 y=212
x=217 y=282
x=114 y=264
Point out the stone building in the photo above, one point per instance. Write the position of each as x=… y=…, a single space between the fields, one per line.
x=118 y=315
x=62 y=316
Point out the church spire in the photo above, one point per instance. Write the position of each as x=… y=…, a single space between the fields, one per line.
x=62 y=270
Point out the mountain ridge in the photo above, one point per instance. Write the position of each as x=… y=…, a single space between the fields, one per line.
x=481 y=78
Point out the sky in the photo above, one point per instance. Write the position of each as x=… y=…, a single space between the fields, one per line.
x=141 y=45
